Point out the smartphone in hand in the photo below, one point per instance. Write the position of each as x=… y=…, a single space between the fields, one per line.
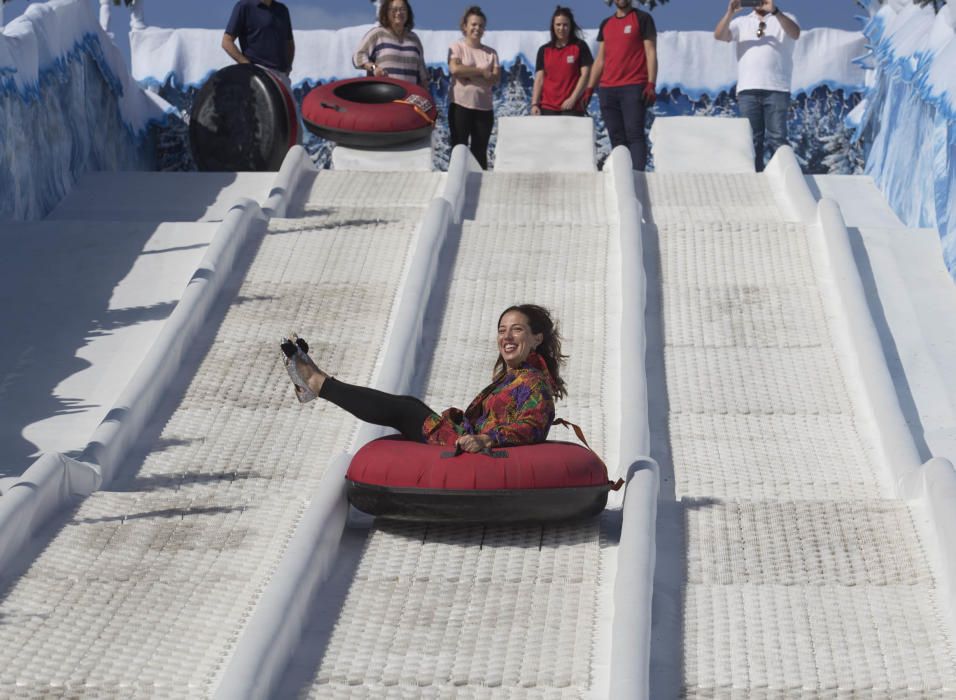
x=751 y=3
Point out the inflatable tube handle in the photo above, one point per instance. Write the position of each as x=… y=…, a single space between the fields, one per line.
x=337 y=108
x=576 y=428
x=488 y=452
x=420 y=105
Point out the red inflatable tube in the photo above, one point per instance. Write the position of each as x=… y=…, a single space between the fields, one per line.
x=399 y=479
x=369 y=112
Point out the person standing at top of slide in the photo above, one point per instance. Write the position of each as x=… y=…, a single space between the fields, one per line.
x=264 y=31
x=392 y=48
x=625 y=69
x=765 y=41
x=474 y=72
x=561 y=68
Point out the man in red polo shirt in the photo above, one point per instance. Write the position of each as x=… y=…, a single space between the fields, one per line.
x=625 y=69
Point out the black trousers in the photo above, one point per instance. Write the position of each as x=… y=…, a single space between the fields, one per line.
x=406 y=414
x=471 y=125
x=559 y=113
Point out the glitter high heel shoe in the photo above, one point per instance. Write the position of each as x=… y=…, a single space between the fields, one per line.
x=290 y=350
x=304 y=352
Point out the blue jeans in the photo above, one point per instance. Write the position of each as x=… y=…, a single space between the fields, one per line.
x=767 y=112
x=623 y=111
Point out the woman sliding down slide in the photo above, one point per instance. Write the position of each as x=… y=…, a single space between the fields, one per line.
x=517 y=408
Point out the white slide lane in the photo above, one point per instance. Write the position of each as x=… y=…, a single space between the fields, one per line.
x=788 y=565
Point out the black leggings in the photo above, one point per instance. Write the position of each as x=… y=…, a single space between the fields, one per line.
x=559 y=113
x=476 y=124
x=406 y=414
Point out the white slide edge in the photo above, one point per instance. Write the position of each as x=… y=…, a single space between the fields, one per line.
x=269 y=641
x=634 y=582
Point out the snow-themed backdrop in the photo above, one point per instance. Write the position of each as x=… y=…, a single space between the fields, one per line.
x=697 y=75
x=908 y=119
x=67 y=106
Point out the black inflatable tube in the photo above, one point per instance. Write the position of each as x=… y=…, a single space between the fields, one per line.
x=240 y=121
x=501 y=506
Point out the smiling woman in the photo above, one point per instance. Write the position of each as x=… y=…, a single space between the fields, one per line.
x=392 y=49
x=474 y=70
x=517 y=408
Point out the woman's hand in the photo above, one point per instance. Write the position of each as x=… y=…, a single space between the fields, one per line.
x=473 y=443
x=569 y=104
x=535 y=110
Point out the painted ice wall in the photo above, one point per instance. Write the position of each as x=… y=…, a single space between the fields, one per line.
x=697 y=75
x=67 y=106
x=908 y=118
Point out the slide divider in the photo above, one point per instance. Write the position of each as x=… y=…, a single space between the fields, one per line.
x=272 y=634
x=289 y=184
x=123 y=425
x=869 y=369
x=630 y=664
x=461 y=165
x=789 y=182
x=932 y=484
x=939 y=494
x=55 y=480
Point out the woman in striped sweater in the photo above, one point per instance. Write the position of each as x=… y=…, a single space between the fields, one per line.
x=392 y=48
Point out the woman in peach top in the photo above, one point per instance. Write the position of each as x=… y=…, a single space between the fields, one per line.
x=474 y=72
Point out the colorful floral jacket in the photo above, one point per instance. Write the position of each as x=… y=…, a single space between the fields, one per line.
x=518 y=409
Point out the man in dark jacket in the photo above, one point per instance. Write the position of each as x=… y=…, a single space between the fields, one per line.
x=264 y=31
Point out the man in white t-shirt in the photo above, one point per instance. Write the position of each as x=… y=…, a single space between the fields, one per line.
x=764 y=39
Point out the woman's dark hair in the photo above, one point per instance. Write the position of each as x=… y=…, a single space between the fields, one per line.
x=383 y=15
x=539 y=318
x=561 y=11
x=472 y=10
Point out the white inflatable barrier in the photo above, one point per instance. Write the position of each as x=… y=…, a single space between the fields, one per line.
x=291 y=183
x=939 y=492
x=933 y=484
x=461 y=165
x=51 y=482
x=270 y=639
x=634 y=584
x=702 y=145
x=54 y=479
x=123 y=425
x=527 y=145
x=630 y=663
x=868 y=365
x=273 y=632
x=794 y=197
x=636 y=440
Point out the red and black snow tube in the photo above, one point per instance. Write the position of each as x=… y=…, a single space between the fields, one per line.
x=369 y=112
x=403 y=480
x=243 y=118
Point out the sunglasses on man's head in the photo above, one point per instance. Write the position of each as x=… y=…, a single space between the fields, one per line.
x=761 y=29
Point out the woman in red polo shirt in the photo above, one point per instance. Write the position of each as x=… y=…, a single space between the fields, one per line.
x=561 y=68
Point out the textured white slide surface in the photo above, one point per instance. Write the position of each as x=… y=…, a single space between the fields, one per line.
x=509 y=611
x=802 y=575
x=145 y=588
